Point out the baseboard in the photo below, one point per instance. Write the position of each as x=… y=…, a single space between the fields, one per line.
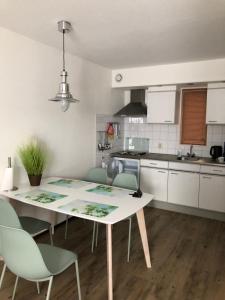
x=188 y=210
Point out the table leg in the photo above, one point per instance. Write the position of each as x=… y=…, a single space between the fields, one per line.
x=53 y=221
x=109 y=261
x=144 y=238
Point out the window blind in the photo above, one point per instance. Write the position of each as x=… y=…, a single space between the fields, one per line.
x=193 y=121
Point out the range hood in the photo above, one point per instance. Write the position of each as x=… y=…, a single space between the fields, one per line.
x=136 y=107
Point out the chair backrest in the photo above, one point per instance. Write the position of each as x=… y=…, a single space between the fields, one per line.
x=22 y=255
x=8 y=215
x=98 y=175
x=126 y=181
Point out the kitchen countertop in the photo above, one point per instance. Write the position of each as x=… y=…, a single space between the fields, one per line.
x=171 y=158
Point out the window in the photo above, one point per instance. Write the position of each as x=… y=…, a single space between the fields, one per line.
x=193 y=117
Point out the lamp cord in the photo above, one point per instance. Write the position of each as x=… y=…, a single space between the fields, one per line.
x=63 y=50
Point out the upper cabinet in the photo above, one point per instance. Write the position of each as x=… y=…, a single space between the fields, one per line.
x=161 y=105
x=215 y=111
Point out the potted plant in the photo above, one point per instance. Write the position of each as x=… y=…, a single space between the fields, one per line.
x=33 y=158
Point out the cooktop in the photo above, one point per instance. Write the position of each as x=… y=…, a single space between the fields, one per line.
x=128 y=152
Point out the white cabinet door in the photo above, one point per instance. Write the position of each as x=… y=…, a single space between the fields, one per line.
x=183 y=188
x=212 y=192
x=161 y=107
x=215 y=111
x=154 y=181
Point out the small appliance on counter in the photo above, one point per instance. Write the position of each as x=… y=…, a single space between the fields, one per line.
x=216 y=151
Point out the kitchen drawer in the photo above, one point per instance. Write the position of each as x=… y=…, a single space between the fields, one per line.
x=184 y=167
x=154 y=163
x=212 y=170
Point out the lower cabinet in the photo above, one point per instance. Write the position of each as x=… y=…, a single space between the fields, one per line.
x=183 y=188
x=188 y=188
x=154 y=181
x=212 y=192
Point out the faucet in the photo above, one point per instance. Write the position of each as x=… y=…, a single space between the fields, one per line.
x=191 y=150
x=191 y=153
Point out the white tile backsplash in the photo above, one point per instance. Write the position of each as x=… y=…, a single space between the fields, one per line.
x=166 y=138
x=162 y=138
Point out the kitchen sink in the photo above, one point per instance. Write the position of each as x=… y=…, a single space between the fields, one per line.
x=195 y=158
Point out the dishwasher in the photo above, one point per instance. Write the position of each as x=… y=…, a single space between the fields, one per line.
x=118 y=165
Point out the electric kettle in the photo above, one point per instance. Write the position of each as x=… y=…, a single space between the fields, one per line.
x=216 y=151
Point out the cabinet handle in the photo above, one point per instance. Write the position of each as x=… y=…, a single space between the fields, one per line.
x=207 y=177
x=217 y=170
x=161 y=172
x=174 y=173
x=167 y=121
x=212 y=121
x=153 y=164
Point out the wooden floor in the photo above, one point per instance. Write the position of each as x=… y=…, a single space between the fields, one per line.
x=188 y=262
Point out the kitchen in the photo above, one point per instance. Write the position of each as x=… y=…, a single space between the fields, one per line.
x=123 y=104
x=174 y=172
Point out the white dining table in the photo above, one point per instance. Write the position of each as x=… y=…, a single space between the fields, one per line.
x=90 y=201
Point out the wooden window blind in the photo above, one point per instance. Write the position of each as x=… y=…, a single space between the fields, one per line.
x=193 y=124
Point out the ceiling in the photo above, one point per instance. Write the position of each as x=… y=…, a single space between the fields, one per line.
x=124 y=33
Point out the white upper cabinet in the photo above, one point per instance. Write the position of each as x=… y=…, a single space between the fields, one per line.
x=161 y=105
x=215 y=111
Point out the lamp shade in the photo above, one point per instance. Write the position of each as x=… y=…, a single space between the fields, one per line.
x=64 y=94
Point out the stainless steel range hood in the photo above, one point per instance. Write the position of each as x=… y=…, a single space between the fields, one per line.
x=136 y=107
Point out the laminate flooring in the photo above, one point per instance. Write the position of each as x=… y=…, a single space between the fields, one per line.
x=187 y=253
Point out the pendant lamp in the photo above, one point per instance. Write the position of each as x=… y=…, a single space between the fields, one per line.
x=64 y=96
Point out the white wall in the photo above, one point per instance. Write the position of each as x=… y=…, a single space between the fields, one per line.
x=200 y=71
x=29 y=76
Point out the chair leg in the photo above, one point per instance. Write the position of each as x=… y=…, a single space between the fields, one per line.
x=50 y=234
x=2 y=275
x=66 y=229
x=93 y=237
x=38 y=288
x=78 y=279
x=15 y=286
x=49 y=288
x=129 y=240
x=96 y=236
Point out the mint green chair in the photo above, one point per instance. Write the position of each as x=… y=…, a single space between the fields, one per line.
x=98 y=175
x=34 y=262
x=9 y=217
x=125 y=181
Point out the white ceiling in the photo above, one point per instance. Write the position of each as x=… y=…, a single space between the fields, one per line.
x=124 y=33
